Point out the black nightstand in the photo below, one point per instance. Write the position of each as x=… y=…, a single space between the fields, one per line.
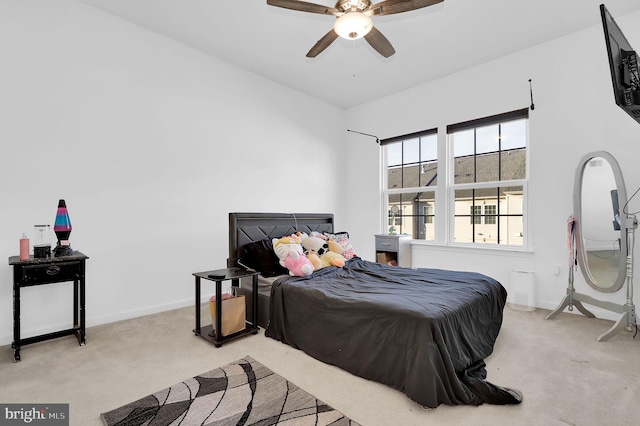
x=214 y=334
x=34 y=272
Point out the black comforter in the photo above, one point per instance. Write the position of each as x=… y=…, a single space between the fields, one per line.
x=424 y=332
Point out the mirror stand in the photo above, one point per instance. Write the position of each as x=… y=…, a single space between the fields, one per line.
x=627 y=318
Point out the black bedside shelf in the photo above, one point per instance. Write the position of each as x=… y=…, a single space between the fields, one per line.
x=209 y=332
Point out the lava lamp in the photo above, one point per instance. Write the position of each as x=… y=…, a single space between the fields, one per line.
x=62 y=228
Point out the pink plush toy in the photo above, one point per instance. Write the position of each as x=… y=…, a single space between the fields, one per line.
x=298 y=265
x=289 y=251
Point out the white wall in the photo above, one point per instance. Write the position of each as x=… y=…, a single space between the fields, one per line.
x=574 y=113
x=151 y=144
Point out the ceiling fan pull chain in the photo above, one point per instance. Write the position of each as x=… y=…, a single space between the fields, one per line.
x=353 y=58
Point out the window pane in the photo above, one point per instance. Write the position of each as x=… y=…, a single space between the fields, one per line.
x=394 y=165
x=492 y=161
x=489 y=215
x=514 y=156
x=511 y=215
x=463 y=230
x=394 y=177
x=429 y=160
x=514 y=134
x=429 y=148
x=428 y=211
x=394 y=154
x=476 y=212
x=487 y=139
x=464 y=160
x=411 y=151
x=462 y=143
x=464 y=170
x=463 y=222
x=410 y=163
x=514 y=164
x=511 y=200
x=487 y=234
x=429 y=174
x=488 y=167
x=487 y=148
x=416 y=211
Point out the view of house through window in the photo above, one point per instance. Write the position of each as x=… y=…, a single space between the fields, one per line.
x=489 y=174
x=412 y=175
x=486 y=189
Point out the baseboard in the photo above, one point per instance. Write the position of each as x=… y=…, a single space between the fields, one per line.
x=104 y=319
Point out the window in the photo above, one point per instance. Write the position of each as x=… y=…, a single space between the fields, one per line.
x=484 y=194
x=488 y=179
x=395 y=219
x=427 y=212
x=476 y=214
x=411 y=168
x=490 y=212
x=483 y=214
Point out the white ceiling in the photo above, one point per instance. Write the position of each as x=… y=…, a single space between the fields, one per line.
x=430 y=42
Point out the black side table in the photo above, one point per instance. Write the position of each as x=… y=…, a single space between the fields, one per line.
x=34 y=272
x=214 y=334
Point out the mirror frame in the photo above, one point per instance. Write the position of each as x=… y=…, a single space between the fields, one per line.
x=577 y=208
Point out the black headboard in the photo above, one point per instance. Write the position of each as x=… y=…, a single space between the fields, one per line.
x=245 y=228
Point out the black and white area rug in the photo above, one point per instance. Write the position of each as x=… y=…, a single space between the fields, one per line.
x=243 y=392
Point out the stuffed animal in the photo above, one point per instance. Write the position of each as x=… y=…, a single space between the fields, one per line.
x=318 y=245
x=283 y=244
x=298 y=264
x=347 y=249
x=314 y=259
x=323 y=249
x=332 y=258
x=342 y=238
x=290 y=253
x=318 y=235
x=334 y=246
x=296 y=236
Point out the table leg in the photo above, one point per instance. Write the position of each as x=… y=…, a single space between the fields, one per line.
x=255 y=302
x=197 y=329
x=76 y=283
x=83 y=335
x=16 y=322
x=218 y=330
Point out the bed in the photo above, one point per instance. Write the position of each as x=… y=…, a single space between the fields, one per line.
x=424 y=332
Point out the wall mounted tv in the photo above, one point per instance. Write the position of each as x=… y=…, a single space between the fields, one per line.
x=623 y=62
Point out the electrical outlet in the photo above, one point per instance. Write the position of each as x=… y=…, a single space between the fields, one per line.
x=556 y=268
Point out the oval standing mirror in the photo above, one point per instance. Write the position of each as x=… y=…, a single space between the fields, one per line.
x=601 y=242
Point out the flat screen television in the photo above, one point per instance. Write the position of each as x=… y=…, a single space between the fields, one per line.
x=623 y=63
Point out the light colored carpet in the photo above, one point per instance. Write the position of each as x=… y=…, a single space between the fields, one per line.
x=243 y=392
x=566 y=376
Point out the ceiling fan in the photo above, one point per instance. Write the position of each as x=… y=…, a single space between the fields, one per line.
x=354 y=20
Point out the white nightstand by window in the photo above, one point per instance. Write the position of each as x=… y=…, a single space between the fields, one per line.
x=394 y=249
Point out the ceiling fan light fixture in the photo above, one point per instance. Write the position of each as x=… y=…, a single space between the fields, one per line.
x=353 y=25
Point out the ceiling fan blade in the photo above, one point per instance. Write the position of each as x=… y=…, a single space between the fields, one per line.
x=322 y=44
x=304 y=6
x=389 y=7
x=379 y=42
